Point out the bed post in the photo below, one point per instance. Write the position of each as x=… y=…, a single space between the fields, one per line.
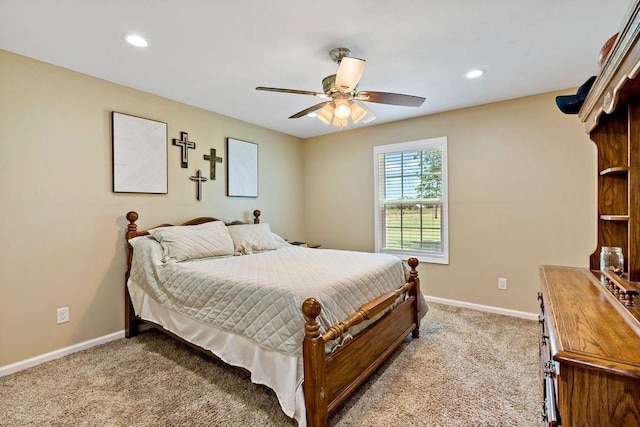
x=315 y=376
x=130 y=323
x=415 y=293
x=256 y=216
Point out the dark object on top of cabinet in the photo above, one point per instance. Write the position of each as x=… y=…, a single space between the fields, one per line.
x=570 y=104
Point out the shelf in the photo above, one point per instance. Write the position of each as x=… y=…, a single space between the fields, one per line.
x=614 y=217
x=614 y=170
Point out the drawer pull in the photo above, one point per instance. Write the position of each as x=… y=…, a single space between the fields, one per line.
x=550 y=369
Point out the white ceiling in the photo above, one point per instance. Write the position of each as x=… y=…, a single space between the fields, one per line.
x=212 y=54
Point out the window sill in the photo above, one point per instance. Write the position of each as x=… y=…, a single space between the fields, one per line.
x=423 y=257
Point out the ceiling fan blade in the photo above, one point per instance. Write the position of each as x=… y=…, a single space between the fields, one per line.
x=390 y=98
x=295 y=91
x=309 y=110
x=349 y=73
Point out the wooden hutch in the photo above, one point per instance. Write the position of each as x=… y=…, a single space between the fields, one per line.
x=590 y=345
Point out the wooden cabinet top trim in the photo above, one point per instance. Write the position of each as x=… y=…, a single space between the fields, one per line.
x=586 y=322
x=611 y=85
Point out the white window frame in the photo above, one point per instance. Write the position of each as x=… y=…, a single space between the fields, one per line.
x=423 y=256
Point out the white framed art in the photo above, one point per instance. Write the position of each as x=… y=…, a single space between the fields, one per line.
x=242 y=168
x=139 y=155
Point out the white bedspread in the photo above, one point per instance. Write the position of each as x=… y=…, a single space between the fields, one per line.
x=260 y=296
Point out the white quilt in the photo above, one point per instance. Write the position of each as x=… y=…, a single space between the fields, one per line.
x=259 y=296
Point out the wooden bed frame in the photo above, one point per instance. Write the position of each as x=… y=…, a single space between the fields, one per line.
x=328 y=379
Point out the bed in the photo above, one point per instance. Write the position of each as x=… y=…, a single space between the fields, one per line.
x=311 y=324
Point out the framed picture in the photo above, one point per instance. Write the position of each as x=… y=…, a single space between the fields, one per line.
x=242 y=168
x=139 y=155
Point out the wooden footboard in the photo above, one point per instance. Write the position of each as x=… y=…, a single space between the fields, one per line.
x=330 y=379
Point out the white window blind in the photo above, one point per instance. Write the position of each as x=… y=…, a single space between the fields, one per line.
x=411 y=211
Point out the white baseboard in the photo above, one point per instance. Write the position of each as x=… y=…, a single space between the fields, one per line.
x=28 y=363
x=487 y=308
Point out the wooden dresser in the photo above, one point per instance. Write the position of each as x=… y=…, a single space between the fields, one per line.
x=590 y=343
x=589 y=351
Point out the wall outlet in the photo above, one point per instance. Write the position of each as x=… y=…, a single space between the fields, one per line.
x=62 y=315
x=502 y=283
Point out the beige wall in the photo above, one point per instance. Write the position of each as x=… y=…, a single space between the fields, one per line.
x=61 y=225
x=521 y=193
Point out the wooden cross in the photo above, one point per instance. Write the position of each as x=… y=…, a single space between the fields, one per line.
x=184 y=145
x=199 y=180
x=213 y=159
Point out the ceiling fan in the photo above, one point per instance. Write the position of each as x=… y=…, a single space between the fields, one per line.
x=343 y=99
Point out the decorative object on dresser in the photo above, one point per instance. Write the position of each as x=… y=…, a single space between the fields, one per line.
x=199 y=179
x=589 y=348
x=612 y=259
x=242 y=168
x=313 y=366
x=212 y=159
x=139 y=154
x=185 y=145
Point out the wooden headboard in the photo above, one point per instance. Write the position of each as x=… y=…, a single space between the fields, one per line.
x=132 y=228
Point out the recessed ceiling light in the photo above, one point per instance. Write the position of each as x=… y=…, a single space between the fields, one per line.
x=474 y=74
x=136 y=40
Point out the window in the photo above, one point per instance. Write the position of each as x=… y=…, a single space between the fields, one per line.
x=411 y=208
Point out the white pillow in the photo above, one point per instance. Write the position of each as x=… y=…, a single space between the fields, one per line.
x=253 y=238
x=184 y=242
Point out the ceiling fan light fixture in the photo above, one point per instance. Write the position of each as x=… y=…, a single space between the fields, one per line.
x=325 y=114
x=342 y=96
x=342 y=110
x=358 y=112
x=340 y=123
x=369 y=117
x=349 y=74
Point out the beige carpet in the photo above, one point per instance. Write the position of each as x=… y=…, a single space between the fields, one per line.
x=468 y=369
